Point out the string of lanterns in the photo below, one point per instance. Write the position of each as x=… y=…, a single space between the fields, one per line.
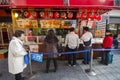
x=79 y=15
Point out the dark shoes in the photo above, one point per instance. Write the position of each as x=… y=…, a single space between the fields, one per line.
x=102 y=62
x=85 y=62
x=47 y=71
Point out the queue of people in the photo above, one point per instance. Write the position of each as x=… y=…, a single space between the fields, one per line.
x=17 y=51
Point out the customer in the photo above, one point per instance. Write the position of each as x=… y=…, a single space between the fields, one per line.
x=86 y=38
x=115 y=41
x=107 y=44
x=51 y=42
x=72 y=44
x=16 y=53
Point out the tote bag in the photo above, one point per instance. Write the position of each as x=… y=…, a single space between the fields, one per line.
x=26 y=59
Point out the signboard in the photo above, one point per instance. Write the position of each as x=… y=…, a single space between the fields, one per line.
x=26 y=23
x=68 y=23
x=61 y=3
x=36 y=56
x=50 y=23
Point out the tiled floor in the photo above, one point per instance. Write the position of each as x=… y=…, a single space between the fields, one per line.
x=110 y=72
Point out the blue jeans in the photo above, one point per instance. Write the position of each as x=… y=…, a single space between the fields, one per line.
x=87 y=55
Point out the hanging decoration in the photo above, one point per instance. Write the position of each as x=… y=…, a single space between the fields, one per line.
x=56 y=15
x=70 y=15
x=91 y=15
x=84 y=15
x=98 y=16
x=63 y=15
x=42 y=14
x=34 y=15
x=78 y=14
x=27 y=14
x=50 y=14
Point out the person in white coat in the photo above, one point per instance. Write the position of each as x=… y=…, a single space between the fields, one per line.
x=16 y=53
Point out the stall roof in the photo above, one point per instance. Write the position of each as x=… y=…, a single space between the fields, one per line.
x=62 y=3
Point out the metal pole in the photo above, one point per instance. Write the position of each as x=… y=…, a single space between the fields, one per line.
x=91 y=59
x=30 y=66
x=90 y=71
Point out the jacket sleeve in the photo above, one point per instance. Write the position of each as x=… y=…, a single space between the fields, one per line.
x=78 y=41
x=17 y=49
x=66 y=40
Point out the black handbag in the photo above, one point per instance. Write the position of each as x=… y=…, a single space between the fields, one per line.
x=87 y=43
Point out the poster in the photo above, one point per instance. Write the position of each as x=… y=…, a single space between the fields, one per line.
x=91 y=24
x=68 y=23
x=84 y=23
x=26 y=23
x=50 y=23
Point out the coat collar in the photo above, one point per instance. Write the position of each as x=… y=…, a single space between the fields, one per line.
x=17 y=39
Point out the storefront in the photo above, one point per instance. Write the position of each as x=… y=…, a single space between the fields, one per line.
x=37 y=17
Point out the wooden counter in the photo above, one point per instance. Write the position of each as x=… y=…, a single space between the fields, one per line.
x=79 y=55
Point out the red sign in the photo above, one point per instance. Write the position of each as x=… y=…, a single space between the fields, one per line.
x=61 y=3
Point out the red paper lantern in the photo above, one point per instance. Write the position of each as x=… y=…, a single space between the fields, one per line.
x=99 y=18
x=42 y=14
x=63 y=15
x=84 y=15
x=34 y=14
x=50 y=14
x=56 y=15
x=27 y=14
x=91 y=15
x=70 y=15
x=78 y=14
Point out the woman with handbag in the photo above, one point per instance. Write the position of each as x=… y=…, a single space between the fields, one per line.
x=16 y=53
x=51 y=42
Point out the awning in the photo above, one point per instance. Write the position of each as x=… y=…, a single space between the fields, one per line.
x=62 y=3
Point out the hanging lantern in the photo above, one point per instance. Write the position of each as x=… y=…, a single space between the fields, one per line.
x=91 y=15
x=50 y=14
x=63 y=15
x=99 y=18
x=97 y=15
x=42 y=14
x=27 y=14
x=56 y=15
x=85 y=15
x=70 y=15
x=78 y=14
x=34 y=14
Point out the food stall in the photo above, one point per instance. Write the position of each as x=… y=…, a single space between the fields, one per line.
x=60 y=15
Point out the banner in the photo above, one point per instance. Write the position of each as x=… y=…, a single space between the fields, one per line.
x=36 y=56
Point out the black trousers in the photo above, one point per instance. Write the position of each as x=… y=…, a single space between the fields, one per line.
x=72 y=57
x=105 y=57
x=48 y=63
x=18 y=77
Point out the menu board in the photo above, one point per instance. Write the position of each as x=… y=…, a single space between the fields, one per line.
x=26 y=23
x=68 y=23
x=50 y=23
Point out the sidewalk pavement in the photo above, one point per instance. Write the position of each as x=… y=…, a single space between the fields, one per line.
x=110 y=72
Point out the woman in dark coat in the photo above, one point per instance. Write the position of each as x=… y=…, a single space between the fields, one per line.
x=51 y=42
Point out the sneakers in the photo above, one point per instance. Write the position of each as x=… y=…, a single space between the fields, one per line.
x=74 y=65
x=71 y=65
